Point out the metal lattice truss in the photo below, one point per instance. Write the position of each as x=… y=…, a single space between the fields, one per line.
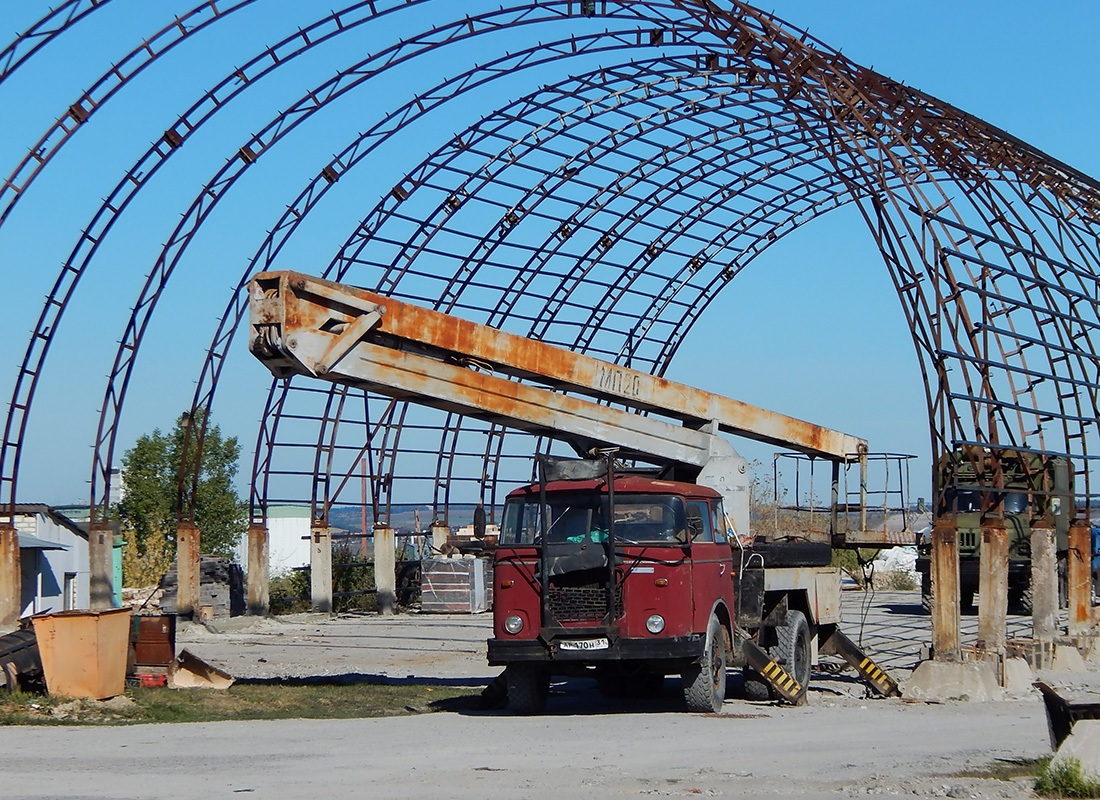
x=606 y=212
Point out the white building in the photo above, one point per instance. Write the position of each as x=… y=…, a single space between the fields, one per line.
x=53 y=556
x=287 y=539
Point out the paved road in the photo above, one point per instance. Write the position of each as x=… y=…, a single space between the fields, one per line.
x=841 y=744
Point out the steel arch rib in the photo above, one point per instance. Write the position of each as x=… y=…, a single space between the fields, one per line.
x=41 y=33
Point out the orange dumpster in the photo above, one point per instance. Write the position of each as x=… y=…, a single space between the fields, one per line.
x=84 y=652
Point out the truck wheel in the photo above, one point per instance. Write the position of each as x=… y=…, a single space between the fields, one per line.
x=966 y=601
x=705 y=683
x=1019 y=601
x=926 y=593
x=528 y=686
x=754 y=685
x=792 y=647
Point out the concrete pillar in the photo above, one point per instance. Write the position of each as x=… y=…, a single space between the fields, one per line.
x=385 y=569
x=1044 y=584
x=440 y=532
x=1078 y=575
x=259 y=570
x=993 y=587
x=10 y=577
x=101 y=566
x=320 y=569
x=188 y=564
x=945 y=590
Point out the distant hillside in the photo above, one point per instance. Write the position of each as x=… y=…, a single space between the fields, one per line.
x=402 y=517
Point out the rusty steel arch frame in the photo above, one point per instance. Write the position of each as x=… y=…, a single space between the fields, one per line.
x=999 y=287
x=515 y=151
x=988 y=435
x=55 y=22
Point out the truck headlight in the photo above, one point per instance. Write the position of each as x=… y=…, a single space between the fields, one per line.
x=655 y=623
x=513 y=624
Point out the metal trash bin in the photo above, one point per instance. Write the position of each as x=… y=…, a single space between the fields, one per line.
x=84 y=652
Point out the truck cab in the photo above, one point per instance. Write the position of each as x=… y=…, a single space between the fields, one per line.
x=626 y=581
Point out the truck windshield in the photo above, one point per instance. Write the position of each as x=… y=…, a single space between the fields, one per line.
x=576 y=517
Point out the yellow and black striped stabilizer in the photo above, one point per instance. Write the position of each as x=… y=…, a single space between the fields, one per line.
x=873 y=675
x=778 y=678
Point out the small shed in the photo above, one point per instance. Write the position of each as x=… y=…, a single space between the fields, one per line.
x=53 y=556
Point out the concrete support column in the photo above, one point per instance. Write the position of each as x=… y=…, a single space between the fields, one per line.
x=259 y=570
x=993 y=587
x=10 y=577
x=945 y=590
x=101 y=566
x=1044 y=584
x=320 y=569
x=440 y=532
x=188 y=567
x=1078 y=575
x=385 y=569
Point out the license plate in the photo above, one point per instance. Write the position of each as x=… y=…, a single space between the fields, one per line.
x=584 y=644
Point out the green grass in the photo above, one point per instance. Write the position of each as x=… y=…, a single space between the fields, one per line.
x=1066 y=779
x=1007 y=769
x=241 y=701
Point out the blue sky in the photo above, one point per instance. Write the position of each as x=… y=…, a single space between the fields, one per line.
x=826 y=343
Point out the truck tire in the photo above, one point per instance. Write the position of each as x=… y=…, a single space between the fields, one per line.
x=792 y=647
x=528 y=686
x=705 y=683
x=754 y=686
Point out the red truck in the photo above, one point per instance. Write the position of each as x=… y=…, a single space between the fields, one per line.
x=627 y=578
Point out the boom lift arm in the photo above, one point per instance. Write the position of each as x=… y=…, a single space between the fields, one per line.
x=306 y=325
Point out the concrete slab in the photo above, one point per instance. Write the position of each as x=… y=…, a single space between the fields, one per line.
x=1067 y=658
x=962 y=680
x=1083 y=744
x=1018 y=677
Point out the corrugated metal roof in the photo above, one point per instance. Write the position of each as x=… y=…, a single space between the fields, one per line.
x=29 y=542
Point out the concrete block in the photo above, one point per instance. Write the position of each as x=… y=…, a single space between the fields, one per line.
x=974 y=681
x=1083 y=743
x=1018 y=676
x=1068 y=658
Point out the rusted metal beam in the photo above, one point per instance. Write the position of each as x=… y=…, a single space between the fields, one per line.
x=316 y=315
x=1079 y=576
x=993 y=587
x=188 y=568
x=1044 y=582
x=945 y=587
x=259 y=569
x=385 y=569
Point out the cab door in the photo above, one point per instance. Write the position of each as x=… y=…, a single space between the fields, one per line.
x=711 y=580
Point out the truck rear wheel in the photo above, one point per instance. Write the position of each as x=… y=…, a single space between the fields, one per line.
x=705 y=683
x=792 y=647
x=528 y=686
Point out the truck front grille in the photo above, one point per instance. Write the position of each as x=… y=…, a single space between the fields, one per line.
x=968 y=540
x=582 y=604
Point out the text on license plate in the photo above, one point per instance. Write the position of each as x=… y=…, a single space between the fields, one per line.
x=584 y=644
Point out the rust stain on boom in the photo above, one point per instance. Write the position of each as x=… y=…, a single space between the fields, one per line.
x=295 y=303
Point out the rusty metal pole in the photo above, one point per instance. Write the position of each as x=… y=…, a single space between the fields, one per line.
x=1078 y=569
x=945 y=588
x=188 y=564
x=320 y=569
x=10 y=577
x=385 y=569
x=993 y=588
x=259 y=569
x=1044 y=582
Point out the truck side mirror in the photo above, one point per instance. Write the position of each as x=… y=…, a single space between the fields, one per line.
x=479 y=522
